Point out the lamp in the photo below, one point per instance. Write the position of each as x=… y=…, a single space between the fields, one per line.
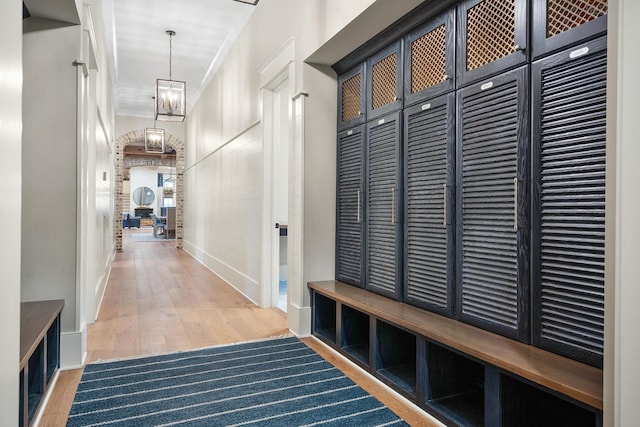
x=171 y=95
x=154 y=139
x=169 y=184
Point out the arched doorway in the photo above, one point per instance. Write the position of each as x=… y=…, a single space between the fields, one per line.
x=137 y=136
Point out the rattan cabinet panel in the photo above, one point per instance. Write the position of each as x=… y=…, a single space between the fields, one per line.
x=429 y=68
x=384 y=81
x=351 y=98
x=492 y=37
x=558 y=24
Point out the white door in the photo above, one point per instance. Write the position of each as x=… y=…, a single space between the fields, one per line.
x=281 y=119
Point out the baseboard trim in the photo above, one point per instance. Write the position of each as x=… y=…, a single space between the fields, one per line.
x=73 y=349
x=102 y=287
x=299 y=320
x=45 y=399
x=234 y=278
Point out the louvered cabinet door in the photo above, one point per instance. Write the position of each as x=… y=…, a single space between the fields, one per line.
x=384 y=217
x=492 y=37
x=492 y=191
x=384 y=81
x=558 y=24
x=569 y=138
x=429 y=274
x=350 y=202
x=429 y=59
x=351 y=98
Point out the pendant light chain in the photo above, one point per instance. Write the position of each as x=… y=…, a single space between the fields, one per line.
x=154 y=116
x=171 y=95
x=171 y=33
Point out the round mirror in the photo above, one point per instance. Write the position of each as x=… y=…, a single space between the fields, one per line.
x=143 y=196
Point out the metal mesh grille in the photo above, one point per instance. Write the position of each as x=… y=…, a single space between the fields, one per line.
x=351 y=98
x=563 y=15
x=428 y=59
x=491 y=27
x=383 y=81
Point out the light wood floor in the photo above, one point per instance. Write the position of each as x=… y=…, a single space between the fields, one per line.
x=159 y=299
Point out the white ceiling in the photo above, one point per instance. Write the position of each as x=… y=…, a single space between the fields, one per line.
x=138 y=46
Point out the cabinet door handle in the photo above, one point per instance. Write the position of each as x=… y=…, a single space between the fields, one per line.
x=358 y=206
x=393 y=206
x=515 y=204
x=444 y=210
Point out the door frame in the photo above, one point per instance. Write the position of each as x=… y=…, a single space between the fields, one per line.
x=278 y=70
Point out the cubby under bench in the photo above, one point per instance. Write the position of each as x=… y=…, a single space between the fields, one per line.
x=461 y=374
x=39 y=354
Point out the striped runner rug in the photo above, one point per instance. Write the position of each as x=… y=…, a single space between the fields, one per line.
x=277 y=382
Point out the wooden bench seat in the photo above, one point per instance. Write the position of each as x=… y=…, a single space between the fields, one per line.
x=39 y=354
x=565 y=376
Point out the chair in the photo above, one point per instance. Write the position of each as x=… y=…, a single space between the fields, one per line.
x=158 y=225
x=170 y=226
x=134 y=221
x=130 y=221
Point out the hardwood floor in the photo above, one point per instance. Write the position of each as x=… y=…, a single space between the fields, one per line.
x=159 y=299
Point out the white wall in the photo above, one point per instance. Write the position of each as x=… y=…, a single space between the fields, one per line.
x=67 y=162
x=49 y=193
x=10 y=176
x=143 y=176
x=223 y=199
x=622 y=342
x=224 y=136
x=95 y=205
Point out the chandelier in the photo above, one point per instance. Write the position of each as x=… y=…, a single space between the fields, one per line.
x=169 y=184
x=154 y=139
x=171 y=95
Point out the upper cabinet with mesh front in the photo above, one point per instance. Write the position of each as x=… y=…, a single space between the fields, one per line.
x=429 y=59
x=384 y=81
x=561 y=23
x=351 y=98
x=492 y=37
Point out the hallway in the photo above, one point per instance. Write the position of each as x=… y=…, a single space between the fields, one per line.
x=159 y=299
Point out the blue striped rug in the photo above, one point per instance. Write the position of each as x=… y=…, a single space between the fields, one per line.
x=279 y=382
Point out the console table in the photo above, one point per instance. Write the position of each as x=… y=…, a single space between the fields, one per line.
x=144 y=212
x=39 y=354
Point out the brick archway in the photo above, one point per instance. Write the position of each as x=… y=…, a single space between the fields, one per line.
x=138 y=136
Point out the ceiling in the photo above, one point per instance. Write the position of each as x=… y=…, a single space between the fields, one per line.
x=138 y=46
